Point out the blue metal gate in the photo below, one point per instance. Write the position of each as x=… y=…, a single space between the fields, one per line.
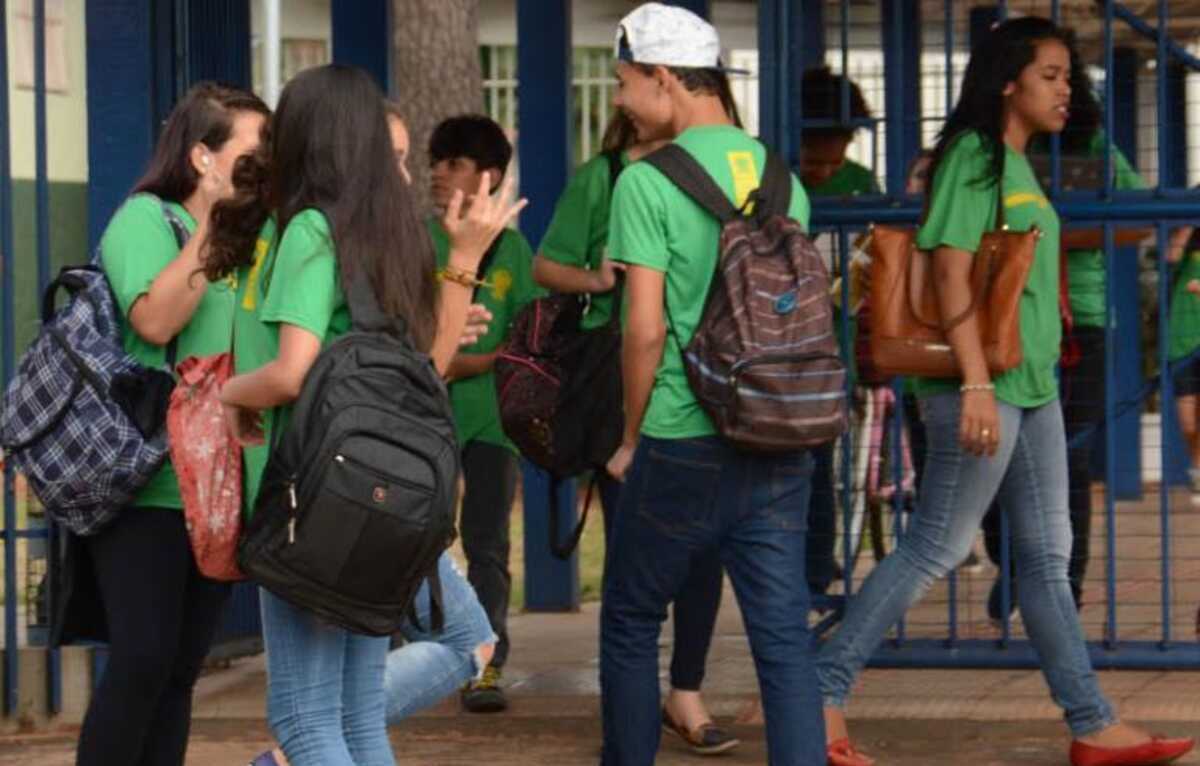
x=1141 y=618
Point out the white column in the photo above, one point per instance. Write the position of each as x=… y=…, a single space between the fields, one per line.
x=271 y=47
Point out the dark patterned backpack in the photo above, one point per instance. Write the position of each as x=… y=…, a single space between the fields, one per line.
x=763 y=362
x=83 y=420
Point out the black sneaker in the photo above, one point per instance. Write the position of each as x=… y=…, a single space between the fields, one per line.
x=484 y=695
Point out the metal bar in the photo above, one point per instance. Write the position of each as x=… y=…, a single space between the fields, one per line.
x=40 y=149
x=1164 y=134
x=1074 y=208
x=1168 y=399
x=982 y=653
x=1136 y=23
x=7 y=343
x=844 y=106
x=1110 y=434
x=949 y=43
x=1006 y=594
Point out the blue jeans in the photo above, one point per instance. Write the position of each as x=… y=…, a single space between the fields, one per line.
x=1028 y=477
x=687 y=496
x=325 y=699
x=431 y=666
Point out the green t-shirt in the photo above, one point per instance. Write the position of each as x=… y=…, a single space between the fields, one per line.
x=851 y=180
x=961 y=210
x=137 y=245
x=293 y=280
x=510 y=288
x=656 y=226
x=578 y=232
x=1086 y=278
x=1185 y=310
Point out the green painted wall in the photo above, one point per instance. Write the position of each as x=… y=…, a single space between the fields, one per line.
x=68 y=245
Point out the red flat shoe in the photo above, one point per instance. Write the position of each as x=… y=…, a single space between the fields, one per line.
x=841 y=752
x=1157 y=751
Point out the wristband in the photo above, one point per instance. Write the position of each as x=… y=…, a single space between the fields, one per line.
x=967 y=387
x=461 y=277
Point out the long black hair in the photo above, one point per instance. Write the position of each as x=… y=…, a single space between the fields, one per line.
x=203 y=116
x=1086 y=113
x=996 y=61
x=330 y=149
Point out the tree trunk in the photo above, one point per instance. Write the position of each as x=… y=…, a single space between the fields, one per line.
x=436 y=72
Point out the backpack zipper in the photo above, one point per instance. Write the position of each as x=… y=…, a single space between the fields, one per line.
x=292 y=521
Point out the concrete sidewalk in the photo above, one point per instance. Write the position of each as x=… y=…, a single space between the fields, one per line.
x=904 y=717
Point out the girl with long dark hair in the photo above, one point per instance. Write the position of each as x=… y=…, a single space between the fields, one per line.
x=155 y=609
x=326 y=204
x=999 y=437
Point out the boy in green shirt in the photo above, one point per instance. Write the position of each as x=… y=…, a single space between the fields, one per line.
x=462 y=150
x=687 y=491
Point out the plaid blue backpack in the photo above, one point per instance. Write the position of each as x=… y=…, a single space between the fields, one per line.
x=83 y=420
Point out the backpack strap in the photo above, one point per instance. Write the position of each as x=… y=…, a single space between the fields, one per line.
x=560 y=548
x=365 y=314
x=682 y=169
x=485 y=263
x=614 y=168
x=182 y=235
x=774 y=194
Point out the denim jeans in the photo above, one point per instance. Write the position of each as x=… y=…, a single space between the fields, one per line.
x=694 y=612
x=1028 y=475
x=325 y=699
x=431 y=666
x=683 y=497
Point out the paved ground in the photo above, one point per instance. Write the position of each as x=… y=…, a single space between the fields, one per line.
x=905 y=717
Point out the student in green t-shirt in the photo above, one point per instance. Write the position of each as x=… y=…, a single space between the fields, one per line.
x=1082 y=380
x=335 y=207
x=573 y=259
x=468 y=152
x=138 y=575
x=1184 y=342
x=825 y=171
x=686 y=491
x=996 y=436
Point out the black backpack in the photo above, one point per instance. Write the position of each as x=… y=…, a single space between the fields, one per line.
x=559 y=390
x=357 y=499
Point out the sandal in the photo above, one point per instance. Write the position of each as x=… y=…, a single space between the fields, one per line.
x=705 y=739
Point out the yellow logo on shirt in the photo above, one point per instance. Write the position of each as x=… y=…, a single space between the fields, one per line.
x=1026 y=198
x=502 y=282
x=745 y=175
x=250 y=299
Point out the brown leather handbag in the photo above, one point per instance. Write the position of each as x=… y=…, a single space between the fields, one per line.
x=908 y=334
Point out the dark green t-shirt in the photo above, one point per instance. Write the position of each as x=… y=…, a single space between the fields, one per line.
x=961 y=211
x=1087 y=283
x=655 y=225
x=1185 y=310
x=851 y=180
x=510 y=288
x=136 y=246
x=293 y=280
x=578 y=232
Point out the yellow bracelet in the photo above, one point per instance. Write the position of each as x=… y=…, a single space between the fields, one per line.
x=458 y=276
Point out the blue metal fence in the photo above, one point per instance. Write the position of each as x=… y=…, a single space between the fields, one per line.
x=1150 y=636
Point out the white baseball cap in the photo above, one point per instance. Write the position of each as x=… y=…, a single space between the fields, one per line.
x=668 y=35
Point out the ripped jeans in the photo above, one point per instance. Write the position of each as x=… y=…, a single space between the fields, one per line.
x=432 y=666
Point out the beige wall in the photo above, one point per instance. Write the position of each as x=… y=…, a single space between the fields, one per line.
x=66 y=112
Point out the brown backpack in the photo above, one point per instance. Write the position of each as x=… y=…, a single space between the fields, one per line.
x=763 y=361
